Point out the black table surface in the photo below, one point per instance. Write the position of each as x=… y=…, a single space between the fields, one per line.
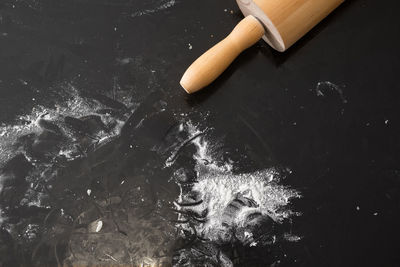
x=327 y=110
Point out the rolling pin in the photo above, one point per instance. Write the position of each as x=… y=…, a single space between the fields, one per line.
x=279 y=22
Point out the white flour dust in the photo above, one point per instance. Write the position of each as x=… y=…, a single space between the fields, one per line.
x=27 y=136
x=161 y=5
x=228 y=202
x=220 y=189
x=322 y=88
x=75 y=106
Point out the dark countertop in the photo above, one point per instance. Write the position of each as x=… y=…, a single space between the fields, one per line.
x=324 y=115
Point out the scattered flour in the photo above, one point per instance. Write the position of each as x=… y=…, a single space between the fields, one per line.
x=74 y=106
x=163 y=4
x=322 y=87
x=219 y=189
x=232 y=201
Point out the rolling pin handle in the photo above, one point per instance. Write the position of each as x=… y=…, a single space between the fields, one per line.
x=214 y=62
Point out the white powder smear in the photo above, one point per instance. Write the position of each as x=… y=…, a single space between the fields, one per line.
x=73 y=105
x=218 y=190
x=229 y=202
x=76 y=106
x=161 y=5
x=324 y=86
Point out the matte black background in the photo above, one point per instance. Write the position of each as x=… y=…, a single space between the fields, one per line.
x=265 y=107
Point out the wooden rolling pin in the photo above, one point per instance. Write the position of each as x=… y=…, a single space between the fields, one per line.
x=279 y=22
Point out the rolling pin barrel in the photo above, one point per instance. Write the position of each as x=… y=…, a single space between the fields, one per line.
x=286 y=21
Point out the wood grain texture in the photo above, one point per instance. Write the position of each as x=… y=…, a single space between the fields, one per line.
x=287 y=21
